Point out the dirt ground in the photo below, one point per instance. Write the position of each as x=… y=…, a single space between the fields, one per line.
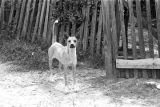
x=38 y=89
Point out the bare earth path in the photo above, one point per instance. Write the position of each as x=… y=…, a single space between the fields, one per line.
x=35 y=89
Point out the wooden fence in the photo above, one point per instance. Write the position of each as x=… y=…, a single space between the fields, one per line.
x=140 y=48
x=101 y=33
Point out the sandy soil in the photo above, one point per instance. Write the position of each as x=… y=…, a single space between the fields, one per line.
x=39 y=89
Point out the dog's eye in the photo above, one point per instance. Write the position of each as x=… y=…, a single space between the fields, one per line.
x=75 y=41
x=69 y=41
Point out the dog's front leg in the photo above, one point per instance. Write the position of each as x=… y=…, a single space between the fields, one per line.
x=74 y=71
x=65 y=75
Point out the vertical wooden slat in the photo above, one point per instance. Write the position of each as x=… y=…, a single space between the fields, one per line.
x=61 y=33
x=46 y=21
x=123 y=29
x=107 y=39
x=151 y=49
x=158 y=23
x=133 y=35
x=50 y=25
x=93 y=29
x=114 y=37
x=18 y=8
x=40 y=26
x=25 y=25
x=81 y=30
x=99 y=33
x=30 y=26
x=85 y=38
x=20 y=23
x=37 y=21
x=11 y=11
x=73 y=30
x=140 y=28
x=2 y=14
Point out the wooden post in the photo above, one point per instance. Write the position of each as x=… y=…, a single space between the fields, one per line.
x=133 y=35
x=61 y=33
x=85 y=38
x=140 y=28
x=40 y=26
x=93 y=29
x=18 y=8
x=2 y=14
x=114 y=38
x=37 y=21
x=151 y=49
x=11 y=11
x=158 y=23
x=107 y=39
x=30 y=26
x=20 y=24
x=25 y=25
x=46 y=21
x=99 y=33
x=81 y=30
x=50 y=25
x=124 y=38
x=123 y=29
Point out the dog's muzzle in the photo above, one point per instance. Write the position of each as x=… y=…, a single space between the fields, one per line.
x=72 y=46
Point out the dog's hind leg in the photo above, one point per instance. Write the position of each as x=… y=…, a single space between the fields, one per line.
x=50 y=64
x=60 y=66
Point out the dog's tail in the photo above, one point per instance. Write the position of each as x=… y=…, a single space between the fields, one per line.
x=54 y=37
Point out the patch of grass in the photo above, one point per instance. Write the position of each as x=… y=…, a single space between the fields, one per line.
x=22 y=53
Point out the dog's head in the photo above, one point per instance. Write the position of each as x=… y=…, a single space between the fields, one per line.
x=72 y=42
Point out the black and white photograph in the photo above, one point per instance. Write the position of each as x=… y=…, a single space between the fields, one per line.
x=79 y=53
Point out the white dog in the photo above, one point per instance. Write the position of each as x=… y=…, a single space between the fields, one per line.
x=66 y=55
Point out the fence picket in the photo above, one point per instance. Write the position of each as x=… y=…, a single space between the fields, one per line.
x=37 y=21
x=26 y=19
x=46 y=21
x=93 y=29
x=30 y=26
x=22 y=14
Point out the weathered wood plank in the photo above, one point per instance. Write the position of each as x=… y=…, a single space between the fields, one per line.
x=138 y=63
x=93 y=29
x=73 y=30
x=158 y=23
x=40 y=26
x=107 y=39
x=2 y=14
x=22 y=14
x=11 y=11
x=50 y=25
x=18 y=8
x=31 y=20
x=151 y=49
x=46 y=21
x=81 y=30
x=85 y=38
x=61 y=33
x=99 y=32
x=26 y=19
x=114 y=36
x=123 y=29
x=140 y=28
x=133 y=35
x=37 y=21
